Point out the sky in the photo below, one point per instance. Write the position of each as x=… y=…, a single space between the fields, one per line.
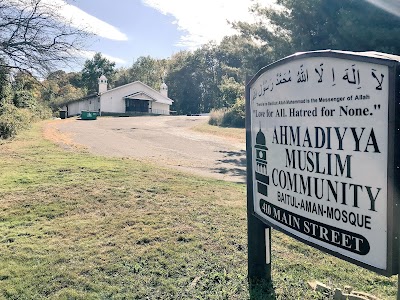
x=128 y=29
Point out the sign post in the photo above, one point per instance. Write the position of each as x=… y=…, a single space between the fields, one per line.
x=323 y=156
x=259 y=234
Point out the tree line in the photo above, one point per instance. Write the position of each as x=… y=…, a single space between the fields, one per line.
x=210 y=77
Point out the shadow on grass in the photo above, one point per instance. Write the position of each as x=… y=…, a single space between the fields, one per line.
x=262 y=290
x=238 y=161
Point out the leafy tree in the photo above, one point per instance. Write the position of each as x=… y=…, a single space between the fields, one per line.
x=62 y=78
x=240 y=55
x=35 y=38
x=5 y=86
x=24 y=99
x=209 y=74
x=304 y=25
x=60 y=86
x=193 y=79
x=364 y=27
x=210 y=77
x=26 y=90
x=230 y=90
x=13 y=120
x=94 y=68
x=122 y=77
x=182 y=85
x=75 y=79
x=146 y=69
x=149 y=71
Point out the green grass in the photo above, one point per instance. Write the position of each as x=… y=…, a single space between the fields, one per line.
x=78 y=226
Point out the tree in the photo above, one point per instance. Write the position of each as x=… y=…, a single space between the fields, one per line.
x=209 y=74
x=304 y=25
x=182 y=84
x=94 y=68
x=148 y=70
x=5 y=86
x=230 y=90
x=208 y=78
x=364 y=26
x=59 y=87
x=35 y=38
x=26 y=90
x=122 y=77
x=239 y=56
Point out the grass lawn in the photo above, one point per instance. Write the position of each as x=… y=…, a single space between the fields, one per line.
x=78 y=226
x=238 y=134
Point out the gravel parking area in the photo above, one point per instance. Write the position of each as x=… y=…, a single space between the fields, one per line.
x=164 y=140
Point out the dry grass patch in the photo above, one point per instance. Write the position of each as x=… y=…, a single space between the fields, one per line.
x=51 y=133
x=237 y=134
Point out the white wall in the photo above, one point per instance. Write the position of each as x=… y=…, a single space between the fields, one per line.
x=75 y=108
x=114 y=102
x=160 y=108
x=94 y=104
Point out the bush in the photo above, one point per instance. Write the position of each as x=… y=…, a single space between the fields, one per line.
x=12 y=120
x=24 y=99
x=231 y=117
x=216 y=116
x=235 y=116
x=41 y=112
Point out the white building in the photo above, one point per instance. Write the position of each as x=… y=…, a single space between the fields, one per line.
x=131 y=98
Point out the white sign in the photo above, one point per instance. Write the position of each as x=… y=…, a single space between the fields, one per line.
x=320 y=144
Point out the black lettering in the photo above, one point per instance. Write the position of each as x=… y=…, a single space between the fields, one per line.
x=357 y=138
x=340 y=137
x=372 y=142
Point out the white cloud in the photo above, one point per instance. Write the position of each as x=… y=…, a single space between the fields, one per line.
x=205 y=20
x=79 y=19
x=89 y=55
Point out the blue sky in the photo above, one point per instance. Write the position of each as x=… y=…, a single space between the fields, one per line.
x=128 y=29
x=148 y=32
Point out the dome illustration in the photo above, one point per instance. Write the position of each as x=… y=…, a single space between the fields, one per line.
x=260 y=141
x=261 y=166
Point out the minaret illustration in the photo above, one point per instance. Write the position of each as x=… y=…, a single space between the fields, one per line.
x=261 y=164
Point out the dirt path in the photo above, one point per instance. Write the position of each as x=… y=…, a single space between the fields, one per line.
x=165 y=140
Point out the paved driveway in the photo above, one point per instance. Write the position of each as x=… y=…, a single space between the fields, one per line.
x=164 y=140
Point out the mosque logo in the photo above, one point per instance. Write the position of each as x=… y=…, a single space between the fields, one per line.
x=261 y=164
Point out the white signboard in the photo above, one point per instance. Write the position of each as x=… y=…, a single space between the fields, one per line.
x=319 y=131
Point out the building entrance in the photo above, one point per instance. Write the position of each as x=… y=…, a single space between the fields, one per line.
x=137 y=105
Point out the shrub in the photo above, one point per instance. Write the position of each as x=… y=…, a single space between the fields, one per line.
x=216 y=116
x=41 y=112
x=235 y=116
x=12 y=120
x=229 y=117
x=24 y=99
